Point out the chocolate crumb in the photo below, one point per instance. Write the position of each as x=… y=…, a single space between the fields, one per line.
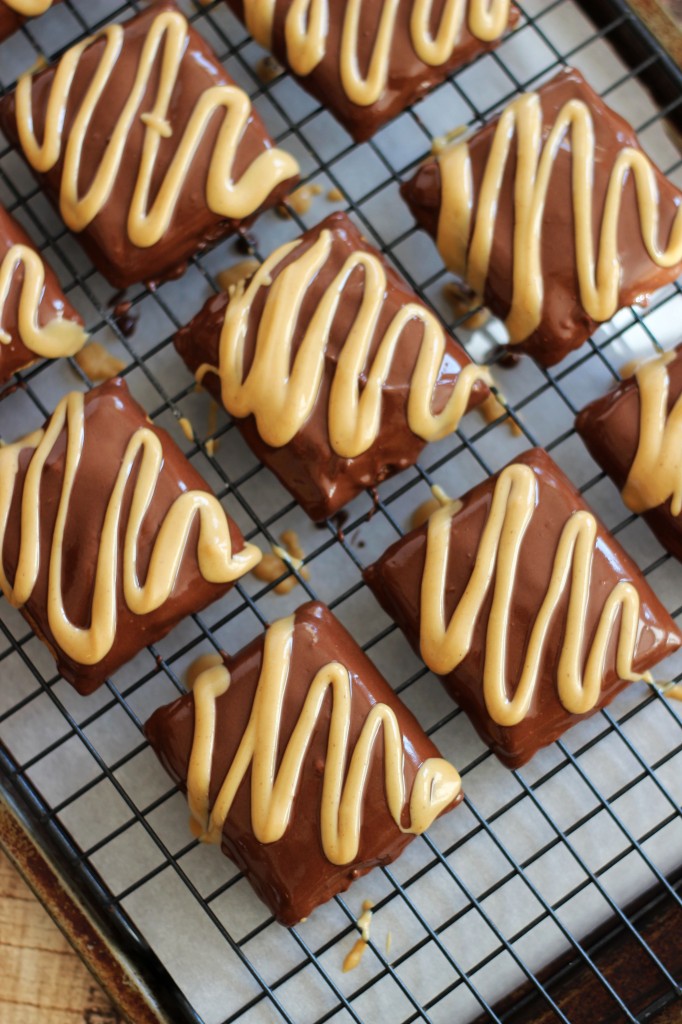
x=246 y=243
x=509 y=360
x=124 y=319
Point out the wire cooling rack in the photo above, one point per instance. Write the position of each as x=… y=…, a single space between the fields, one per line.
x=552 y=893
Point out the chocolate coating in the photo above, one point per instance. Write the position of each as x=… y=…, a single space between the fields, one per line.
x=396 y=582
x=293 y=876
x=15 y=355
x=193 y=226
x=565 y=325
x=610 y=428
x=409 y=78
x=10 y=21
x=320 y=480
x=111 y=418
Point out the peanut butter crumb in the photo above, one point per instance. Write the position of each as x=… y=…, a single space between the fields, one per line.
x=274 y=565
x=270 y=568
x=232 y=276
x=389 y=942
x=199 y=665
x=294 y=552
x=268 y=69
x=364 y=923
x=365 y=919
x=492 y=409
x=464 y=301
x=300 y=201
x=98 y=364
x=186 y=427
x=442 y=142
x=335 y=195
x=295 y=563
x=293 y=545
x=355 y=956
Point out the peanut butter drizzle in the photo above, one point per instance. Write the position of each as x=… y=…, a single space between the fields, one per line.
x=58 y=337
x=445 y=646
x=465 y=239
x=215 y=558
x=29 y=8
x=162 y=54
x=273 y=790
x=306 y=30
x=656 y=472
x=280 y=389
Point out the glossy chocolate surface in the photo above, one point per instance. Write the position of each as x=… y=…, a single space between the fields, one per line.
x=193 y=226
x=15 y=355
x=396 y=582
x=565 y=325
x=610 y=428
x=320 y=480
x=409 y=78
x=111 y=418
x=293 y=876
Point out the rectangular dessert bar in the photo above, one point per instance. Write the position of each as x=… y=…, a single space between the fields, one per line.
x=526 y=607
x=146 y=146
x=366 y=62
x=635 y=434
x=553 y=215
x=288 y=351
x=13 y=13
x=36 y=318
x=298 y=758
x=109 y=537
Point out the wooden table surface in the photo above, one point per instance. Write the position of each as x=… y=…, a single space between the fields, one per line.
x=42 y=980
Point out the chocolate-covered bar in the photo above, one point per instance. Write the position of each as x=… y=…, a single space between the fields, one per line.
x=288 y=351
x=635 y=434
x=108 y=535
x=36 y=318
x=148 y=148
x=539 y=214
x=298 y=758
x=527 y=608
x=13 y=13
x=366 y=62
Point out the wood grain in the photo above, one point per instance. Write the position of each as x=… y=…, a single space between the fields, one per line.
x=664 y=19
x=41 y=977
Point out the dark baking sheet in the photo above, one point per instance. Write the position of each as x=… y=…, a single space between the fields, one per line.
x=473 y=879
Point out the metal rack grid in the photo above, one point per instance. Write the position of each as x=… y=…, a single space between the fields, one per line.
x=467 y=903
